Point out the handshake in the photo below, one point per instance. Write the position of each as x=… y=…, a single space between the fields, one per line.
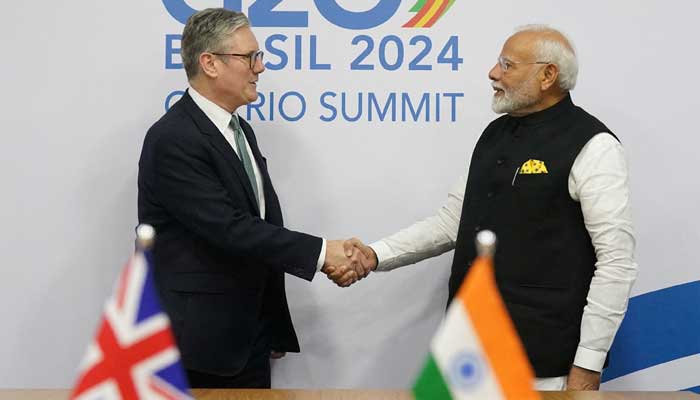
x=348 y=261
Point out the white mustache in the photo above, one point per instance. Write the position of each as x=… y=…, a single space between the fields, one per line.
x=495 y=86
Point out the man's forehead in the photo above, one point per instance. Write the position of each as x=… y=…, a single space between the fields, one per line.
x=242 y=39
x=518 y=46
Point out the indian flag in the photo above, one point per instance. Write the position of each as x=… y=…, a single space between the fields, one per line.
x=476 y=352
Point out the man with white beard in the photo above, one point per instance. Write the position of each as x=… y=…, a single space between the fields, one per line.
x=551 y=181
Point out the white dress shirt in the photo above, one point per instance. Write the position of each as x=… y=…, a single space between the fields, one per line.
x=599 y=182
x=222 y=120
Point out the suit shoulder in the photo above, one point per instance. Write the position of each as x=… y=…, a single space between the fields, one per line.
x=175 y=126
x=174 y=120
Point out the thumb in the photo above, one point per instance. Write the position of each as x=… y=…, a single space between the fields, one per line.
x=348 y=247
x=366 y=250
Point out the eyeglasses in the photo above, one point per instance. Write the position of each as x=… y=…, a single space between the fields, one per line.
x=253 y=57
x=507 y=64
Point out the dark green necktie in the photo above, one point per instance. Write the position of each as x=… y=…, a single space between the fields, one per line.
x=243 y=153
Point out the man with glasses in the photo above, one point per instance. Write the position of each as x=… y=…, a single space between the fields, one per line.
x=551 y=181
x=221 y=250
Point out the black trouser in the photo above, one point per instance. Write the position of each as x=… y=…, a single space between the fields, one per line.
x=255 y=374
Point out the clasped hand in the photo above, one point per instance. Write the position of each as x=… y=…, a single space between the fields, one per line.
x=348 y=261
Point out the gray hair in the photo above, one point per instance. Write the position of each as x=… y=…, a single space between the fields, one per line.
x=556 y=52
x=205 y=31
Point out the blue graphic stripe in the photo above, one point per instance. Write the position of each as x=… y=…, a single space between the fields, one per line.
x=695 y=389
x=660 y=326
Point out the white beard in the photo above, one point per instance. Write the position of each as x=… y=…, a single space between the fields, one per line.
x=513 y=99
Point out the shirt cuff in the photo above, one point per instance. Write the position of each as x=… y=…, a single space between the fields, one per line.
x=321 y=256
x=590 y=359
x=383 y=253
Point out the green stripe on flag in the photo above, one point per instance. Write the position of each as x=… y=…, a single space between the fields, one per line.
x=430 y=385
x=419 y=4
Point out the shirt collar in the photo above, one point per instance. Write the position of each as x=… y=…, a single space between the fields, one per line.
x=218 y=116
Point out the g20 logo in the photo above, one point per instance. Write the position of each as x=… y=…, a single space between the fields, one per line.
x=262 y=13
x=428 y=12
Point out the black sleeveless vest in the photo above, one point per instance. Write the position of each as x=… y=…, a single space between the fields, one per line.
x=544 y=262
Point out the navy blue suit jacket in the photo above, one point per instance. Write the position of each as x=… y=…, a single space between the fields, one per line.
x=219 y=267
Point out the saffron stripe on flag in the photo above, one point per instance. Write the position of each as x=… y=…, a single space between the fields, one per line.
x=496 y=332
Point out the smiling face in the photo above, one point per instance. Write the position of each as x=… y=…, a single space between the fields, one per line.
x=517 y=86
x=236 y=82
x=515 y=98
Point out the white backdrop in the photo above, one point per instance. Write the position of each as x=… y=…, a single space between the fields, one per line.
x=83 y=80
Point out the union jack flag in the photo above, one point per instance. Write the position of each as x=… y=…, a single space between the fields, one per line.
x=133 y=355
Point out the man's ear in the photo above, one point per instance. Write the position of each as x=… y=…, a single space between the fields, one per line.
x=550 y=75
x=208 y=65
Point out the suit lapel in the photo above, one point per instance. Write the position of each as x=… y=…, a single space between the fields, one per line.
x=253 y=143
x=262 y=164
x=222 y=146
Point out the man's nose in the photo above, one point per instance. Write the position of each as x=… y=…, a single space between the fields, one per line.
x=496 y=72
x=259 y=67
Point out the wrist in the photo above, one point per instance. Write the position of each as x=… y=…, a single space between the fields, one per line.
x=375 y=259
x=585 y=370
